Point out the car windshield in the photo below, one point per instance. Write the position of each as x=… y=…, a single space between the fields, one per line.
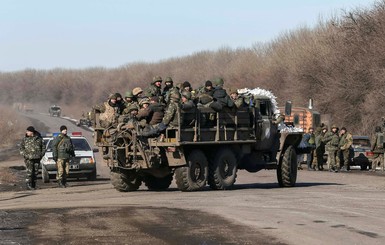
x=361 y=142
x=80 y=144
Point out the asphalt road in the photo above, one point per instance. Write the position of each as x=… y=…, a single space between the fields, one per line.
x=323 y=208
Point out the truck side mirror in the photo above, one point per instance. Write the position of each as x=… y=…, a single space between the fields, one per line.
x=288 y=108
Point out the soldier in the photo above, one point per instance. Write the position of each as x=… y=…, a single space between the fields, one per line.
x=238 y=100
x=221 y=95
x=129 y=98
x=157 y=110
x=319 y=148
x=186 y=86
x=144 y=113
x=170 y=115
x=32 y=149
x=377 y=143
x=189 y=109
x=346 y=141
x=331 y=141
x=311 y=142
x=62 y=150
x=169 y=89
x=109 y=112
x=155 y=88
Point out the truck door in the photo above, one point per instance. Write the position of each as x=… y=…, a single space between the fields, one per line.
x=266 y=130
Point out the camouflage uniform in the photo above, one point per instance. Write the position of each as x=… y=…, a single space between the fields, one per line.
x=109 y=113
x=318 y=153
x=32 y=149
x=377 y=143
x=346 y=141
x=189 y=109
x=154 y=90
x=221 y=95
x=171 y=113
x=62 y=151
x=331 y=140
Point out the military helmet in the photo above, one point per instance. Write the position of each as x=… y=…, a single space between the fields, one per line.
x=112 y=97
x=186 y=94
x=219 y=81
x=129 y=94
x=157 y=79
x=144 y=101
x=137 y=91
x=168 y=80
x=233 y=90
x=118 y=95
x=334 y=126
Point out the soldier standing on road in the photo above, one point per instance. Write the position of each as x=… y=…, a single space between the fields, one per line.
x=377 y=143
x=311 y=142
x=319 y=151
x=32 y=149
x=346 y=141
x=331 y=141
x=62 y=151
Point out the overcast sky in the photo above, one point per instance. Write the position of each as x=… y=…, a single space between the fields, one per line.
x=46 y=34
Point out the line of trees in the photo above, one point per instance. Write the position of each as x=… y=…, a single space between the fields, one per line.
x=339 y=63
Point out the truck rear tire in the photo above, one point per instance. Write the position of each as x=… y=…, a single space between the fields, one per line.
x=125 y=181
x=223 y=170
x=157 y=184
x=287 y=168
x=193 y=177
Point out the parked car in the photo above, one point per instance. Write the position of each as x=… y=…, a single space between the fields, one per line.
x=360 y=152
x=82 y=165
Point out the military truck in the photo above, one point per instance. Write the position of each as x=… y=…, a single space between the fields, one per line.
x=54 y=111
x=209 y=149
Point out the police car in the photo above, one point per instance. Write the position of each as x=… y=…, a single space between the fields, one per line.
x=82 y=165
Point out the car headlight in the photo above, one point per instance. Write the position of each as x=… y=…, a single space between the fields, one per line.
x=87 y=160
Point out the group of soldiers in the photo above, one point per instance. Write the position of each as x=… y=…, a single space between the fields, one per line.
x=155 y=108
x=337 y=144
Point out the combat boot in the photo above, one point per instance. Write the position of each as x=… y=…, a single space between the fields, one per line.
x=60 y=184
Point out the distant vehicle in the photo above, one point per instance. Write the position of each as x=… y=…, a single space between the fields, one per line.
x=28 y=109
x=83 y=164
x=360 y=152
x=84 y=122
x=54 y=111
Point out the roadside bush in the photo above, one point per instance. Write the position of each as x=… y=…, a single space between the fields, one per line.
x=12 y=127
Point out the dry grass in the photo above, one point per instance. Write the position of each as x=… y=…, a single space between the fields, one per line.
x=6 y=176
x=12 y=126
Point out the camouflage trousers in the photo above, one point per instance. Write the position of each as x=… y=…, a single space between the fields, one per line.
x=63 y=168
x=332 y=155
x=342 y=156
x=378 y=160
x=32 y=166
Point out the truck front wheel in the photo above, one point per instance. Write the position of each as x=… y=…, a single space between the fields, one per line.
x=223 y=170
x=287 y=168
x=125 y=180
x=193 y=177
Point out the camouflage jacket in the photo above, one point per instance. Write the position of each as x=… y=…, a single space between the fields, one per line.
x=377 y=143
x=239 y=102
x=109 y=114
x=62 y=147
x=222 y=97
x=32 y=147
x=171 y=114
x=346 y=141
x=331 y=141
x=168 y=92
x=153 y=90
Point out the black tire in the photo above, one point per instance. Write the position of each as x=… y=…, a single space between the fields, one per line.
x=193 y=177
x=287 y=168
x=364 y=166
x=44 y=174
x=92 y=176
x=223 y=170
x=157 y=184
x=125 y=181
